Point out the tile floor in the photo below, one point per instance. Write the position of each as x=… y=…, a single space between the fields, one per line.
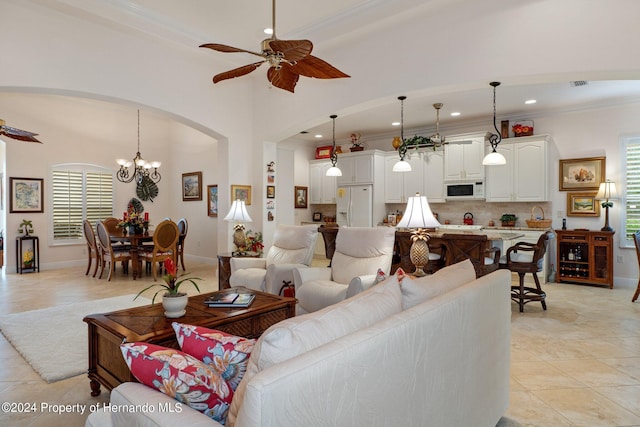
x=577 y=364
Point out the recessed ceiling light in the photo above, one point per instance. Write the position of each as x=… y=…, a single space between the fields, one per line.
x=318 y=136
x=530 y=101
x=455 y=113
x=268 y=31
x=395 y=124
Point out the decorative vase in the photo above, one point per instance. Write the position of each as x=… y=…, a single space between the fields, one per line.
x=174 y=304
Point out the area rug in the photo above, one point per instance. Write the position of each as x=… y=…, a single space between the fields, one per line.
x=54 y=340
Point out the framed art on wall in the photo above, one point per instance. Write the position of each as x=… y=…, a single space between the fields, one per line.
x=582 y=204
x=27 y=195
x=271 y=191
x=242 y=192
x=212 y=200
x=192 y=186
x=582 y=174
x=301 y=197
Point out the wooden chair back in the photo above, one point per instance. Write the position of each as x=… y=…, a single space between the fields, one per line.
x=474 y=247
x=111 y=224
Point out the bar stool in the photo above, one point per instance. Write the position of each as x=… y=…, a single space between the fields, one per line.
x=523 y=258
x=636 y=240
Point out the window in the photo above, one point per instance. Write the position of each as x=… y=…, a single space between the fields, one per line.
x=78 y=192
x=631 y=214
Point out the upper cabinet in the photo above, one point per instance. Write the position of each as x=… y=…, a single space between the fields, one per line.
x=433 y=176
x=399 y=186
x=524 y=178
x=463 y=157
x=357 y=168
x=322 y=188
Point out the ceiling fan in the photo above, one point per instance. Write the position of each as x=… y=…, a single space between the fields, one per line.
x=287 y=59
x=14 y=133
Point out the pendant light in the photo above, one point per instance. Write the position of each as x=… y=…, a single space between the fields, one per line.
x=402 y=165
x=494 y=158
x=436 y=139
x=334 y=170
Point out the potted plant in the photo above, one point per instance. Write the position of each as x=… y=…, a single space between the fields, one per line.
x=173 y=301
x=508 y=220
x=254 y=242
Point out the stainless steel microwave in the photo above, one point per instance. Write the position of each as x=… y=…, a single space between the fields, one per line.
x=464 y=190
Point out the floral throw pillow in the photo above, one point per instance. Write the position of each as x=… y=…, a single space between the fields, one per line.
x=227 y=354
x=181 y=376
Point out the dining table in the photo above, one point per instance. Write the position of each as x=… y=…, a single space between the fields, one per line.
x=135 y=241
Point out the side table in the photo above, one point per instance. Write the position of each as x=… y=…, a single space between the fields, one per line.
x=224 y=267
x=35 y=246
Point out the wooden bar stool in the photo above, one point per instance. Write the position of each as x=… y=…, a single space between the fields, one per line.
x=636 y=240
x=523 y=258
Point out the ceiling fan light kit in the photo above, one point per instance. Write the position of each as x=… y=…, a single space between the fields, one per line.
x=494 y=158
x=287 y=59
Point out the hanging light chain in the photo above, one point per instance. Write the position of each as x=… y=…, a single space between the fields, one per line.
x=334 y=155
x=495 y=138
x=402 y=150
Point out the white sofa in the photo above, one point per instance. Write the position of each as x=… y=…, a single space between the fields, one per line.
x=441 y=362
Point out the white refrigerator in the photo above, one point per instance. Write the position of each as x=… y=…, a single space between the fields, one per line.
x=354 y=205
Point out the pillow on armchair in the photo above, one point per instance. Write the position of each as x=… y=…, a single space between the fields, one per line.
x=293 y=246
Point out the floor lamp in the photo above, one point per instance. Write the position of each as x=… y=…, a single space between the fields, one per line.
x=418 y=215
x=607 y=192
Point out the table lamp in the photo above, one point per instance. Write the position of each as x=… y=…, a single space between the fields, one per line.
x=607 y=192
x=418 y=215
x=238 y=213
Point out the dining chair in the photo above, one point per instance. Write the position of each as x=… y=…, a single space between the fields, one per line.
x=92 y=248
x=475 y=247
x=165 y=242
x=183 y=228
x=107 y=254
x=636 y=240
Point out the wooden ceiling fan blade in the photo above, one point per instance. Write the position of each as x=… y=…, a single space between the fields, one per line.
x=315 y=67
x=293 y=50
x=236 y=72
x=19 y=134
x=283 y=78
x=228 y=49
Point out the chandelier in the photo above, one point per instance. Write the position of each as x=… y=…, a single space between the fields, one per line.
x=142 y=170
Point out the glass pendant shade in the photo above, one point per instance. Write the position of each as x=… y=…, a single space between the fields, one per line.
x=334 y=171
x=402 y=166
x=494 y=159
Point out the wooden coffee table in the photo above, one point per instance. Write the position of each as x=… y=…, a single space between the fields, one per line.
x=148 y=324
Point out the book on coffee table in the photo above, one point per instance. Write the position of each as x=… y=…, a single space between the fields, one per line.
x=230 y=300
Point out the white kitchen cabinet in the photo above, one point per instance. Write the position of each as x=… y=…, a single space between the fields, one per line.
x=322 y=188
x=463 y=156
x=357 y=168
x=524 y=178
x=433 y=176
x=399 y=186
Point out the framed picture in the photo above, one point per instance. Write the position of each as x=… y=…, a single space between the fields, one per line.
x=27 y=195
x=192 y=186
x=271 y=191
x=212 y=200
x=271 y=179
x=324 y=152
x=301 y=194
x=583 y=204
x=242 y=192
x=582 y=174
x=271 y=204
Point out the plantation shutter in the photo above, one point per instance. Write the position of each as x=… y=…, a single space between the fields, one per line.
x=79 y=194
x=632 y=193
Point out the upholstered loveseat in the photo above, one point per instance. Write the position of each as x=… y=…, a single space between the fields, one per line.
x=434 y=351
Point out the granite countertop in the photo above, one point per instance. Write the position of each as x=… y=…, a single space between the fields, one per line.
x=517 y=228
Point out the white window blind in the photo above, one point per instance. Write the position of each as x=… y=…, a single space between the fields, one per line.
x=631 y=199
x=79 y=192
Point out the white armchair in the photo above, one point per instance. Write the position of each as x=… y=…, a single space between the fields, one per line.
x=293 y=246
x=360 y=252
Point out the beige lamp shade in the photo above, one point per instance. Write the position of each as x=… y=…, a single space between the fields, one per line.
x=238 y=212
x=607 y=191
x=418 y=214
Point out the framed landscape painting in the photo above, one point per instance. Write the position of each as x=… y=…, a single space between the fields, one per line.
x=241 y=192
x=27 y=195
x=212 y=200
x=582 y=174
x=192 y=186
x=301 y=194
x=582 y=204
